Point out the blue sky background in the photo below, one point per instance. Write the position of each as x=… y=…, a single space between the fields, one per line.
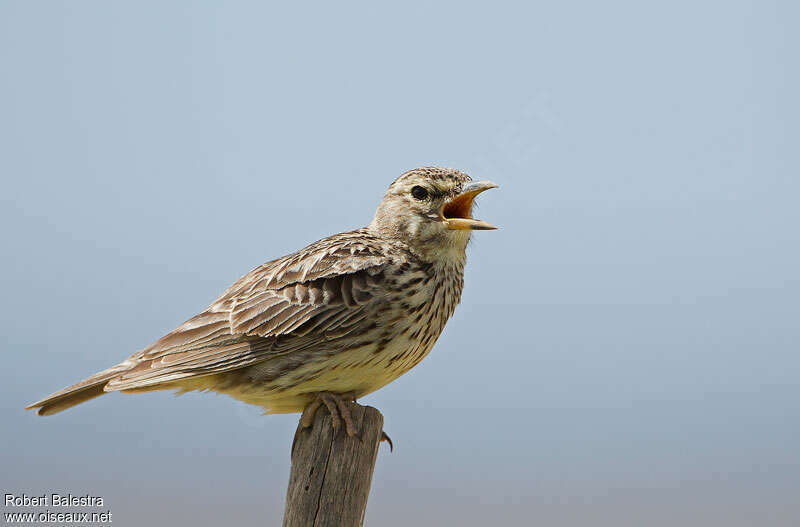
x=626 y=351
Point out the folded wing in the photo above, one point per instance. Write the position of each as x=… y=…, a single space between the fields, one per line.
x=307 y=299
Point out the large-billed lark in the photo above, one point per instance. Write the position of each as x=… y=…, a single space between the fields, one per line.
x=332 y=322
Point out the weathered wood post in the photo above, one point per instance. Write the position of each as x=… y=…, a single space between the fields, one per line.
x=331 y=472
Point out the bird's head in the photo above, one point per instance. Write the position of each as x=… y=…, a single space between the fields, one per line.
x=430 y=209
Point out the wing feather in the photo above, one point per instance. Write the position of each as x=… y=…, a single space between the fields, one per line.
x=308 y=299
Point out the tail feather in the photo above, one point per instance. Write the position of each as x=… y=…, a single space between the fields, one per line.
x=78 y=393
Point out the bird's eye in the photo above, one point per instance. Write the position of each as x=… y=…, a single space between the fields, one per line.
x=419 y=192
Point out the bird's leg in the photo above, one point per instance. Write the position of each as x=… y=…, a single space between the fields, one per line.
x=307 y=417
x=331 y=403
x=336 y=404
x=344 y=411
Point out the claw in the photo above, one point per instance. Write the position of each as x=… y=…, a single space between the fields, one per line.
x=385 y=437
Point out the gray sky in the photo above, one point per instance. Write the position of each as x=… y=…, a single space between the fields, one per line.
x=626 y=351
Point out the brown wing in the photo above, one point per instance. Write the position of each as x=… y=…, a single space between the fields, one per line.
x=309 y=298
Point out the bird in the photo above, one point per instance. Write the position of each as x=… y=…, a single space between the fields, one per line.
x=325 y=325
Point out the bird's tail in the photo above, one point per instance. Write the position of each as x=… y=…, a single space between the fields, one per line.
x=78 y=393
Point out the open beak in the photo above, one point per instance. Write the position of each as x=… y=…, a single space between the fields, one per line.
x=457 y=213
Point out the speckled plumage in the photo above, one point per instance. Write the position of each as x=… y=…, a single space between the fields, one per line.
x=346 y=314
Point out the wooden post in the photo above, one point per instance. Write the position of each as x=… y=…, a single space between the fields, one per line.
x=331 y=473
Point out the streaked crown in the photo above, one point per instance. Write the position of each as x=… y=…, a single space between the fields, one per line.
x=430 y=209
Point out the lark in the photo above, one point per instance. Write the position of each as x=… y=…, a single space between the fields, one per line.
x=328 y=324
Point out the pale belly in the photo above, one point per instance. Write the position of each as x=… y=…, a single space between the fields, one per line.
x=287 y=383
x=359 y=371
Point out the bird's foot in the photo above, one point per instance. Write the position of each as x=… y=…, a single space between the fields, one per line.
x=336 y=403
x=385 y=437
